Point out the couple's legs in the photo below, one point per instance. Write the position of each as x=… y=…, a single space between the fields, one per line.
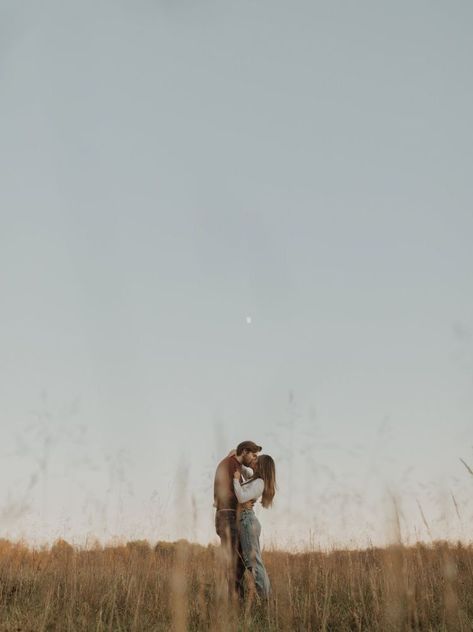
x=250 y=531
x=227 y=530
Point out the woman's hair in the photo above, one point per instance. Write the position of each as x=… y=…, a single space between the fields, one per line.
x=267 y=472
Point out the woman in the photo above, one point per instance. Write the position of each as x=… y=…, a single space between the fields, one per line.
x=262 y=484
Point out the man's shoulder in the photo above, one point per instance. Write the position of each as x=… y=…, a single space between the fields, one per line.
x=223 y=464
x=227 y=463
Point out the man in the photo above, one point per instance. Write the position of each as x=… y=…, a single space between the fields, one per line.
x=226 y=505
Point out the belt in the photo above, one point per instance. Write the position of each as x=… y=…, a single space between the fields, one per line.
x=234 y=510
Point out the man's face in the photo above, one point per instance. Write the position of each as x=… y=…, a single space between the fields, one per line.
x=249 y=458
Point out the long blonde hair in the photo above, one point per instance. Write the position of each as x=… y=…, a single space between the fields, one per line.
x=267 y=472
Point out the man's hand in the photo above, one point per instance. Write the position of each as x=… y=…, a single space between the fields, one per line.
x=249 y=504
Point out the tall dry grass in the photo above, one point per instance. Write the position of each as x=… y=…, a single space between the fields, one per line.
x=179 y=587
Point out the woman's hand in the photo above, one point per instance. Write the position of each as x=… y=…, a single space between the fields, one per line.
x=231 y=453
x=236 y=475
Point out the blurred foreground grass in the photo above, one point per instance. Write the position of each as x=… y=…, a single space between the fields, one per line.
x=180 y=587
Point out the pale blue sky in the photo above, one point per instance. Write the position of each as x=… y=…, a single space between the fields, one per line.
x=168 y=169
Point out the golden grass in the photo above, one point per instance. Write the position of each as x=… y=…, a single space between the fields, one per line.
x=178 y=587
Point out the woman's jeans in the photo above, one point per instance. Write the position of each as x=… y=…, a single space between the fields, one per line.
x=250 y=531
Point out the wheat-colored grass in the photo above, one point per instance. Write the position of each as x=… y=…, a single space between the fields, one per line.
x=178 y=586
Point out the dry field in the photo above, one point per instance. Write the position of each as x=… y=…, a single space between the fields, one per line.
x=179 y=587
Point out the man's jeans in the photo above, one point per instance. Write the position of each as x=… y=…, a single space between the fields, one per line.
x=227 y=530
x=250 y=531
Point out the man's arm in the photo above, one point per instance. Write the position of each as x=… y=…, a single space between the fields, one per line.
x=220 y=486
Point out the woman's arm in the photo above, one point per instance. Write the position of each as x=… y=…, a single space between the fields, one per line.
x=246 y=472
x=250 y=491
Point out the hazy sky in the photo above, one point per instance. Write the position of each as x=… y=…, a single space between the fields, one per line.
x=235 y=220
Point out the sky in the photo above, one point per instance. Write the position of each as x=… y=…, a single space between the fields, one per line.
x=223 y=221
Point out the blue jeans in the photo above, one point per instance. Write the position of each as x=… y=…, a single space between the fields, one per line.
x=250 y=531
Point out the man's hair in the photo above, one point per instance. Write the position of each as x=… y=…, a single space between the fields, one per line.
x=250 y=446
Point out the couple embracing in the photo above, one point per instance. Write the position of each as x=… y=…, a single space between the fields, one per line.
x=241 y=479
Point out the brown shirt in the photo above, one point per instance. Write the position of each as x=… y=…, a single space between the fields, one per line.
x=224 y=494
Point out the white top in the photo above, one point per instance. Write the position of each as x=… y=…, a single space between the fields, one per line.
x=250 y=491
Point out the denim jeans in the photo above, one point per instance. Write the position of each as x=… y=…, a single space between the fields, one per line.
x=227 y=530
x=250 y=531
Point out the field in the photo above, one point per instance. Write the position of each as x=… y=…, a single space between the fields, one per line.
x=179 y=586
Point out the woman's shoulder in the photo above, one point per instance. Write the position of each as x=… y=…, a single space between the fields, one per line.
x=255 y=484
x=258 y=484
